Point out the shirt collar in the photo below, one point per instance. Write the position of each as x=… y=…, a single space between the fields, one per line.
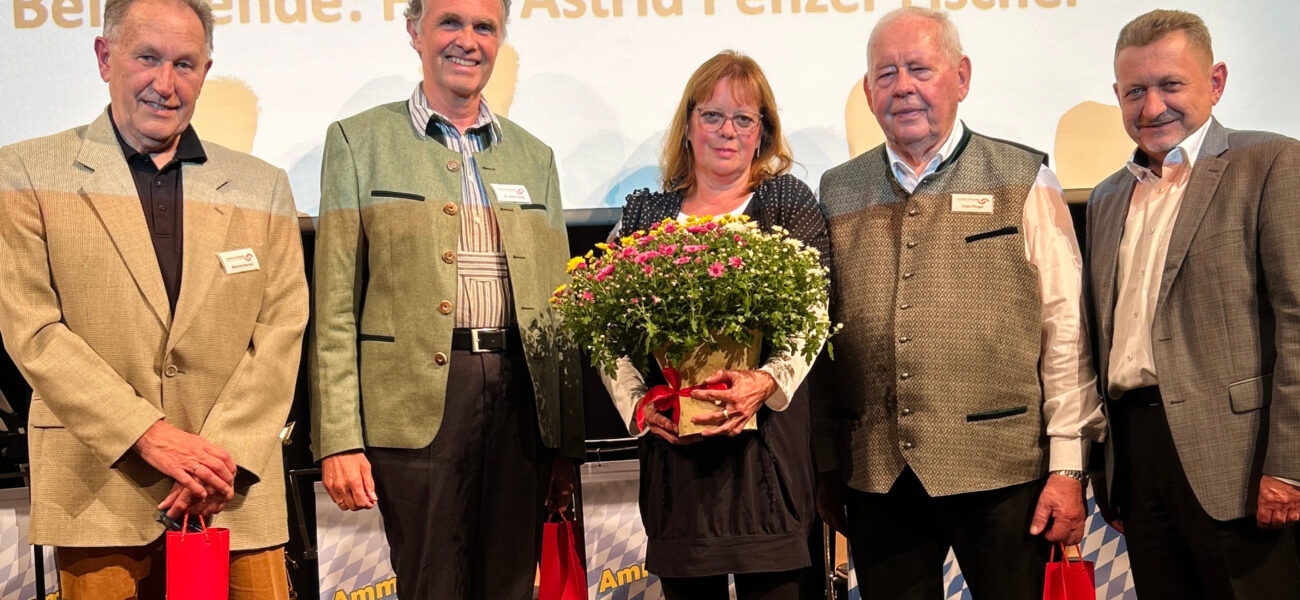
x=945 y=151
x=427 y=121
x=188 y=147
x=1185 y=152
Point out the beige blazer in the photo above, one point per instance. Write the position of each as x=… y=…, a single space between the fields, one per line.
x=86 y=318
x=1226 y=335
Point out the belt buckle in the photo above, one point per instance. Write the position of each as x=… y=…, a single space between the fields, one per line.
x=474 y=345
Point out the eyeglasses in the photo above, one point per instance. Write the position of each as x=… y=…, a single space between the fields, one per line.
x=712 y=120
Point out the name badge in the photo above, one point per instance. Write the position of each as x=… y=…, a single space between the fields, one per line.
x=972 y=203
x=512 y=193
x=238 y=261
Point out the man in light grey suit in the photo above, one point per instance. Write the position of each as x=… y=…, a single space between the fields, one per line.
x=1194 y=260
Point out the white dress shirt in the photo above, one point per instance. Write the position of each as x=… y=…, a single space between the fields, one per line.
x=1152 y=212
x=1071 y=405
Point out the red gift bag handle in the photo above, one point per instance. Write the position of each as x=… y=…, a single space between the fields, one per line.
x=1065 y=564
x=185 y=528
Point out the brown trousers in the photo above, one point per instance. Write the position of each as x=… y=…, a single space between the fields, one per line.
x=139 y=573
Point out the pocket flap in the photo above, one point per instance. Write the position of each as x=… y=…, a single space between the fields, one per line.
x=1251 y=394
x=40 y=415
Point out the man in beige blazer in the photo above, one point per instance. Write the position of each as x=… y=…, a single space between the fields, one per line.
x=441 y=391
x=1194 y=273
x=155 y=300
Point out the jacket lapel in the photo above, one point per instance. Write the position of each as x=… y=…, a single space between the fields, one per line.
x=111 y=191
x=1112 y=213
x=1196 y=200
x=207 y=220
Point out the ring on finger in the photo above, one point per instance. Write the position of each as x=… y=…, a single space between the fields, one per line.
x=195 y=468
x=726 y=414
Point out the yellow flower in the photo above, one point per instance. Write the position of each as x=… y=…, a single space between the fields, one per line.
x=560 y=290
x=575 y=263
x=602 y=246
x=627 y=241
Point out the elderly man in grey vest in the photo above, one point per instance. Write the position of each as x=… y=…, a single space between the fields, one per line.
x=962 y=391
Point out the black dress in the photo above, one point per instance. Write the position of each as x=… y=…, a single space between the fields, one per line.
x=742 y=504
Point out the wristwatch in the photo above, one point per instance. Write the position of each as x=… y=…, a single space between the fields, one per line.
x=1081 y=476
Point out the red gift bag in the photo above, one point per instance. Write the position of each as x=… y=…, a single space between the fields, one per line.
x=198 y=564
x=563 y=575
x=1069 y=579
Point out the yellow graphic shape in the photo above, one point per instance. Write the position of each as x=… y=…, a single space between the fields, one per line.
x=226 y=113
x=500 y=90
x=863 y=129
x=1090 y=145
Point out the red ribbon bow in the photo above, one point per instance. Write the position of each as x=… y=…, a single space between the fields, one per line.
x=667 y=398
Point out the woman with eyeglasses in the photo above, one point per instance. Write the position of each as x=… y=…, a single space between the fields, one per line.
x=729 y=501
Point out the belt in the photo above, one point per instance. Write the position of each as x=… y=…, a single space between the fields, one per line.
x=485 y=340
x=1148 y=396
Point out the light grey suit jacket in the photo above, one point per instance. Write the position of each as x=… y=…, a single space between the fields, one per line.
x=1226 y=333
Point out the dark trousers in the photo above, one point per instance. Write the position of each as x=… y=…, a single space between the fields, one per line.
x=782 y=585
x=899 y=541
x=1175 y=549
x=463 y=515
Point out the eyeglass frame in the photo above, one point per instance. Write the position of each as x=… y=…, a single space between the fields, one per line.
x=757 y=118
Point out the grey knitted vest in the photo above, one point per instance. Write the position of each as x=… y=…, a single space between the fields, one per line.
x=937 y=364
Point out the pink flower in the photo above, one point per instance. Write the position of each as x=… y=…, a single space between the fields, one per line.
x=629 y=252
x=735 y=262
x=600 y=276
x=681 y=260
x=587 y=296
x=737 y=238
x=649 y=269
x=710 y=225
x=655 y=298
x=716 y=269
x=667 y=249
x=696 y=228
x=641 y=241
x=693 y=248
x=644 y=256
x=636 y=300
x=670 y=227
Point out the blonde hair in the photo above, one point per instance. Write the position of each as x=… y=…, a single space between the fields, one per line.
x=677 y=162
x=1151 y=27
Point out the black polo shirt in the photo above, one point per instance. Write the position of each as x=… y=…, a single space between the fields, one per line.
x=163 y=199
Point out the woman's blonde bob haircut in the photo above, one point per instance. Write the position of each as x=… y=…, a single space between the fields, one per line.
x=677 y=163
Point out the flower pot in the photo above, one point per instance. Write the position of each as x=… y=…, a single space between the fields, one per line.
x=703 y=362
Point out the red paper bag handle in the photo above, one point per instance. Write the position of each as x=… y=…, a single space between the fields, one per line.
x=1065 y=564
x=185 y=528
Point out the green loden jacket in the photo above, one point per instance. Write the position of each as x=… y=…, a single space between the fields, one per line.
x=385 y=282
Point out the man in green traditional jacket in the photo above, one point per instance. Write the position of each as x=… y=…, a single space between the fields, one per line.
x=441 y=390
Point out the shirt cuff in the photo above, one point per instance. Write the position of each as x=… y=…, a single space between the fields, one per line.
x=1066 y=454
x=1285 y=480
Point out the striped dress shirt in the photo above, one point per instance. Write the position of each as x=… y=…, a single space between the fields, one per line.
x=483 y=298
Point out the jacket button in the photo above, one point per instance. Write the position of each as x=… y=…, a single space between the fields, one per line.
x=449 y=257
x=904 y=340
x=908 y=275
x=453 y=166
x=450 y=208
x=439 y=359
x=911 y=245
x=904 y=306
x=444 y=307
x=912 y=212
x=908 y=445
x=904 y=376
x=171 y=371
x=905 y=412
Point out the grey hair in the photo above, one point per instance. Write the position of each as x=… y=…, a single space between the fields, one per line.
x=115 y=12
x=949 y=40
x=415 y=11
